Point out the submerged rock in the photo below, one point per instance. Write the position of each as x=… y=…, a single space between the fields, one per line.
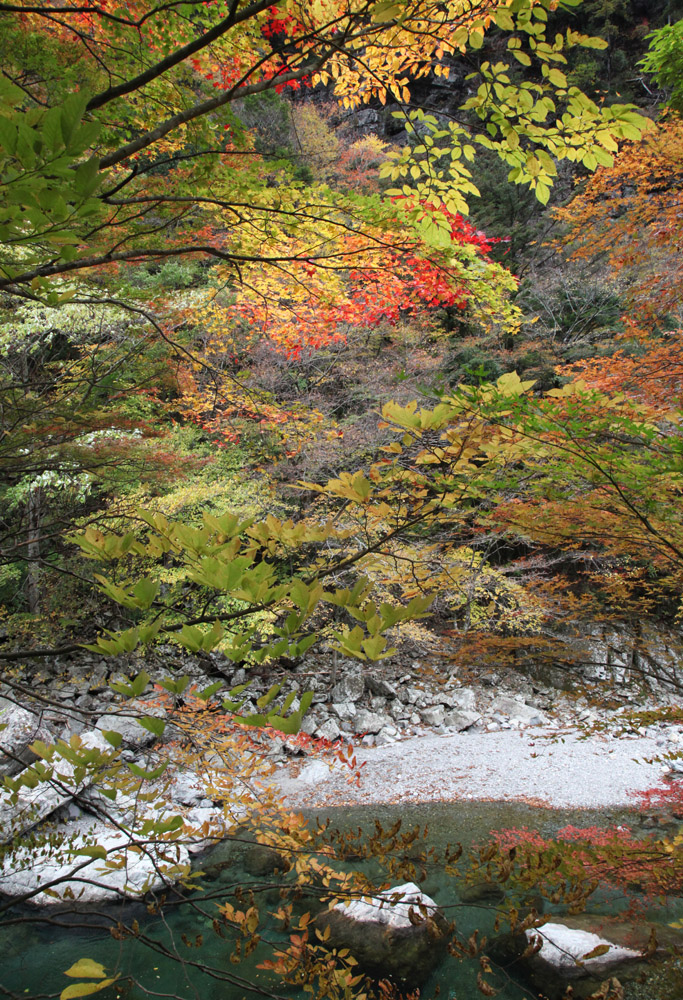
x=260 y=860
x=400 y=934
x=482 y=892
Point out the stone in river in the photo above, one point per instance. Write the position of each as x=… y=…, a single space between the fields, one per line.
x=400 y=934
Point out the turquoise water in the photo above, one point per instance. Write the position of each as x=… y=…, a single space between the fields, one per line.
x=164 y=962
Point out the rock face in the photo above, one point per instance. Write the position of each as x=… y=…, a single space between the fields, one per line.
x=383 y=938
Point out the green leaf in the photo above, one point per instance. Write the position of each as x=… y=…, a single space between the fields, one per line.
x=176 y=687
x=503 y=19
x=112 y=737
x=289 y=725
x=96 y=851
x=386 y=10
x=140 y=682
x=542 y=193
x=145 y=592
x=287 y=702
x=209 y=691
x=152 y=725
x=557 y=78
x=140 y=772
x=266 y=699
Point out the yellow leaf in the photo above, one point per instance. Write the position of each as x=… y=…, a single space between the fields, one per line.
x=86 y=967
x=600 y=949
x=84 y=989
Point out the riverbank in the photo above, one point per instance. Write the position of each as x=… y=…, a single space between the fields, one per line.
x=538 y=766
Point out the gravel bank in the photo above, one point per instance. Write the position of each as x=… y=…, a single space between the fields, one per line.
x=537 y=766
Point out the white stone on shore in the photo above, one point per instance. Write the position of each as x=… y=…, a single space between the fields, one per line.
x=125 y=722
x=131 y=871
x=34 y=804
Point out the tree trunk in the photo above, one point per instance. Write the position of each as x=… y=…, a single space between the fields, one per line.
x=33 y=550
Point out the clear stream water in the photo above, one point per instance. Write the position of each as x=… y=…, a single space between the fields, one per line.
x=34 y=955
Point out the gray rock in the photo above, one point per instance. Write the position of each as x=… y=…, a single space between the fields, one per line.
x=564 y=951
x=20 y=729
x=313 y=773
x=125 y=722
x=34 y=804
x=366 y=118
x=379 y=686
x=187 y=788
x=351 y=687
x=562 y=959
x=535 y=719
x=387 y=735
x=434 y=716
x=461 y=720
x=344 y=709
x=369 y=722
x=310 y=724
x=462 y=698
x=329 y=730
x=514 y=709
x=411 y=695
